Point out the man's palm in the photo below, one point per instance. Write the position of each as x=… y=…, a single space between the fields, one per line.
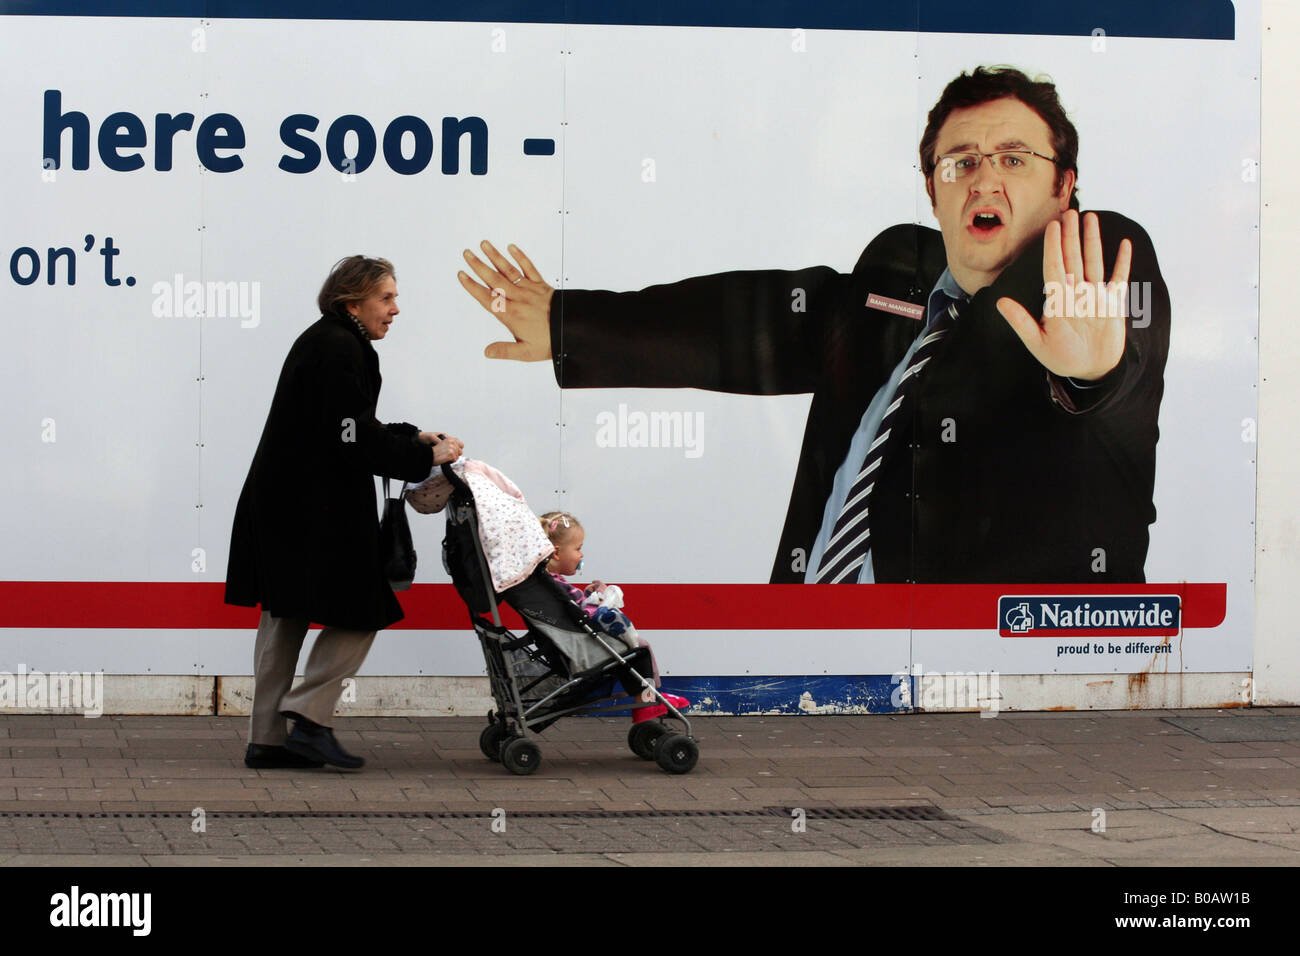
x=1081 y=332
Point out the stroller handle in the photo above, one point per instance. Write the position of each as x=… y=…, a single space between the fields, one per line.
x=461 y=489
x=456 y=481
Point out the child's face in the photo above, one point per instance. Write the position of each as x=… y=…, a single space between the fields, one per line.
x=568 y=554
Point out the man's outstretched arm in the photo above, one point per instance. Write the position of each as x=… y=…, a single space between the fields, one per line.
x=759 y=332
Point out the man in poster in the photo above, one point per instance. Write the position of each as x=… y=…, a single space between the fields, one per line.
x=984 y=408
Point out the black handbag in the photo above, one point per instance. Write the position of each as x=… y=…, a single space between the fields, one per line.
x=396 y=549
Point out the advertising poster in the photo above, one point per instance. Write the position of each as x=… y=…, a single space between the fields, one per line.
x=733 y=319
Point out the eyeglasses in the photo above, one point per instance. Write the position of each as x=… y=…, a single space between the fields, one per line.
x=1011 y=162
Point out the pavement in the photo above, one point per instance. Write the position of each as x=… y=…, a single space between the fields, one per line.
x=1130 y=788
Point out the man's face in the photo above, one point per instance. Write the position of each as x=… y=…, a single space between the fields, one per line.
x=989 y=216
x=376 y=312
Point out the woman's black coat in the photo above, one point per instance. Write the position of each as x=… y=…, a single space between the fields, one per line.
x=305 y=541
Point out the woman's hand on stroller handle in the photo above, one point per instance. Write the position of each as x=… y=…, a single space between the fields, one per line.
x=445 y=447
x=518 y=297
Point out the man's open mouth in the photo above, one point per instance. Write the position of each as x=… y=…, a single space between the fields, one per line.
x=985 y=221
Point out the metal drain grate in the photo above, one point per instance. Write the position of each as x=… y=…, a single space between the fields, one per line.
x=925 y=813
x=873 y=813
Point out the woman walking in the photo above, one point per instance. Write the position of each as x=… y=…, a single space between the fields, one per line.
x=305 y=542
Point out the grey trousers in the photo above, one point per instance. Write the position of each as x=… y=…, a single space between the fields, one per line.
x=336 y=655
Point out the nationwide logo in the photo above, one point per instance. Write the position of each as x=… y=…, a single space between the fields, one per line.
x=1079 y=615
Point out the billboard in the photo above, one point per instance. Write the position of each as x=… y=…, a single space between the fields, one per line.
x=732 y=209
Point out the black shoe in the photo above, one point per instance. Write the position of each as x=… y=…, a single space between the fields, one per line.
x=271 y=757
x=314 y=742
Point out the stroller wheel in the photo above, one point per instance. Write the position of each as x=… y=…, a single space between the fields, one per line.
x=676 y=753
x=490 y=741
x=643 y=737
x=521 y=756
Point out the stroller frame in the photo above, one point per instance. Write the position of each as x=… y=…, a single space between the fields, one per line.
x=515 y=724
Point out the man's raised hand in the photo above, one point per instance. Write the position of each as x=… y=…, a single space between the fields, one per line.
x=518 y=296
x=1081 y=332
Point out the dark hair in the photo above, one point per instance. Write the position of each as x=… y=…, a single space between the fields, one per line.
x=986 y=84
x=352 y=280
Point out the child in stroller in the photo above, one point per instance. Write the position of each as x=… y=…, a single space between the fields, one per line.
x=563 y=664
x=602 y=602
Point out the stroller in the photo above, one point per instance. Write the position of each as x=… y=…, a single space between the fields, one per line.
x=561 y=666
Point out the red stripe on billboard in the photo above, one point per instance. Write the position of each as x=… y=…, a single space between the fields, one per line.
x=700 y=607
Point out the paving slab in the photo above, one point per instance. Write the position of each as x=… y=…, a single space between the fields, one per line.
x=1229 y=727
x=1177 y=786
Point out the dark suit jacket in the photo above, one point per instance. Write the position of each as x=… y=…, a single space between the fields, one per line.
x=1015 y=475
x=305 y=541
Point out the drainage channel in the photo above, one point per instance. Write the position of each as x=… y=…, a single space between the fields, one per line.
x=920 y=813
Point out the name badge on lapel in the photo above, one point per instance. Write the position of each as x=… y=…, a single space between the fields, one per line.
x=895 y=306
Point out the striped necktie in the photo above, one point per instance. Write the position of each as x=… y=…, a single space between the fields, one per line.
x=851 y=537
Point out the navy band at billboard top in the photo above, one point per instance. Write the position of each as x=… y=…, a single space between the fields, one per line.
x=1194 y=19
